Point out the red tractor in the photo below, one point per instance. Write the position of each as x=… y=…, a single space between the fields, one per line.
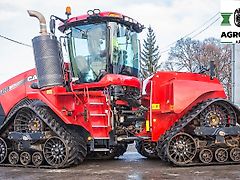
x=92 y=107
x=59 y=113
x=190 y=121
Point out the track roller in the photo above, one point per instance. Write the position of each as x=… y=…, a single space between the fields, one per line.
x=25 y=158
x=37 y=158
x=235 y=154
x=221 y=155
x=206 y=156
x=13 y=158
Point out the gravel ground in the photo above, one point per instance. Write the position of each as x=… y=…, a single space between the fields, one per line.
x=131 y=166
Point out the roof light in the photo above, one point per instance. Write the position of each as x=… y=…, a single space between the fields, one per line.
x=90 y=12
x=115 y=15
x=68 y=11
x=96 y=11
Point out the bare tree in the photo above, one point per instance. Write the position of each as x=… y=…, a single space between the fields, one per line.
x=221 y=55
x=184 y=56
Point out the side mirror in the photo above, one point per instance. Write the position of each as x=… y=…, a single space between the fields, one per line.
x=52 y=25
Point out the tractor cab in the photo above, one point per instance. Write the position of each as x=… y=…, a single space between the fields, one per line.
x=101 y=43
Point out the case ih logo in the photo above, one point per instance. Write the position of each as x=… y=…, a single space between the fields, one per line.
x=230 y=25
x=17 y=84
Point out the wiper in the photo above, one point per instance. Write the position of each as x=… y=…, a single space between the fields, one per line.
x=79 y=33
x=79 y=29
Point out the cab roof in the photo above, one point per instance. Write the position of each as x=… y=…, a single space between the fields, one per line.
x=95 y=16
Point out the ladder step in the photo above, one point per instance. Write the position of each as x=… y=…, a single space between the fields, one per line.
x=99 y=126
x=101 y=138
x=96 y=103
x=98 y=114
x=101 y=149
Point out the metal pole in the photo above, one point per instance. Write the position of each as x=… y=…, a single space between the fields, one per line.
x=233 y=75
x=236 y=74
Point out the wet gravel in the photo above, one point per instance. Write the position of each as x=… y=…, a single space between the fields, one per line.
x=131 y=166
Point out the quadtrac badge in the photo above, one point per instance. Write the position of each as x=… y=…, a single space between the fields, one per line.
x=230 y=24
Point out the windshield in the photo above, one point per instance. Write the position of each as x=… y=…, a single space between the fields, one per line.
x=125 y=50
x=88 y=53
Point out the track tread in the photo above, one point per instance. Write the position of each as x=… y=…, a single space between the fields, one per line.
x=179 y=125
x=76 y=145
x=77 y=153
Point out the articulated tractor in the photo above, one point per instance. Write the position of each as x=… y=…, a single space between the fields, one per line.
x=93 y=105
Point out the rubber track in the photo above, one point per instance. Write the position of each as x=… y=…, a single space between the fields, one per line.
x=76 y=146
x=179 y=125
x=13 y=111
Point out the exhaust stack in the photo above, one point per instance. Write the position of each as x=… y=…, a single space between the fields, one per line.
x=42 y=21
x=48 y=56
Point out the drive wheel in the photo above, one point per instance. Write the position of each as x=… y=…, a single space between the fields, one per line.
x=27 y=121
x=181 y=149
x=3 y=150
x=55 y=152
x=206 y=156
x=221 y=155
x=13 y=157
x=218 y=115
x=37 y=158
x=235 y=154
x=25 y=158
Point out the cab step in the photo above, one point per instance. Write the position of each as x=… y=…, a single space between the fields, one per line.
x=101 y=149
x=99 y=126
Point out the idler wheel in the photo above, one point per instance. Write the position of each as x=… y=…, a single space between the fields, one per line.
x=3 y=150
x=181 y=149
x=55 y=152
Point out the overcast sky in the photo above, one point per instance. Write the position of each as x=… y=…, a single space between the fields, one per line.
x=170 y=19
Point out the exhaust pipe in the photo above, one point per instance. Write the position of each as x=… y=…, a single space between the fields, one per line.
x=48 y=56
x=42 y=21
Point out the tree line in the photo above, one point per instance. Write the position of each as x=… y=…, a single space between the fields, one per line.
x=188 y=55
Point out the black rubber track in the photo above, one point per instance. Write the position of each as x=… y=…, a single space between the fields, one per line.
x=76 y=146
x=179 y=125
